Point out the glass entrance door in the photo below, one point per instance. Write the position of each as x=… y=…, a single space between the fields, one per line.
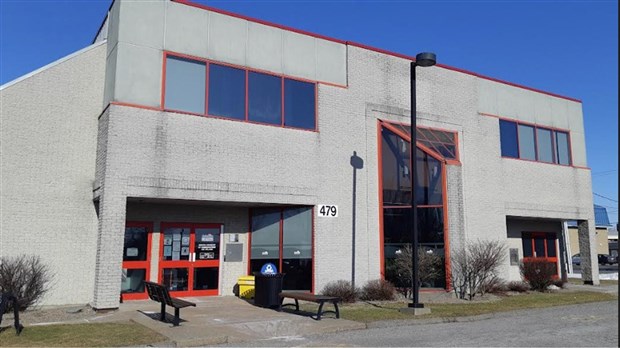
x=190 y=258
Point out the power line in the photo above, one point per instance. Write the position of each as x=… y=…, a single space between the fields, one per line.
x=596 y=194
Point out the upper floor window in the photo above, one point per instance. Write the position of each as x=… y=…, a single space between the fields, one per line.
x=205 y=88
x=534 y=143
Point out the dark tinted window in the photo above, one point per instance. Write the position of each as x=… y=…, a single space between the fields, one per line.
x=264 y=98
x=539 y=246
x=428 y=180
x=396 y=172
x=135 y=244
x=544 y=145
x=508 y=139
x=185 y=85
x=527 y=246
x=226 y=92
x=551 y=246
x=563 y=152
x=299 y=104
x=430 y=225
x=397 y=225
x=265 y=234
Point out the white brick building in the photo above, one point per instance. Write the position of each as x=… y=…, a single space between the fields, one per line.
x=190 y=146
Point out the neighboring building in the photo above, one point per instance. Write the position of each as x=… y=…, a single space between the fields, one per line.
x=190 y=146
x=613 y=240
x=601 y=220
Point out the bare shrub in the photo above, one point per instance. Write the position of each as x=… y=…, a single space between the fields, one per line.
x=475 y=265
x=342 y=289
x=494 y=286
x=26 y=277
x=518 y=286
x=538 y=273
x=430 y=267
x=378 y=290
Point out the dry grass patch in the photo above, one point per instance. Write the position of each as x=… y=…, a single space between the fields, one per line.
x=368 y=312
x=118 y=334
x=579 y=281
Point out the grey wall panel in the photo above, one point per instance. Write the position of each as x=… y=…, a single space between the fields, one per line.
x=113 y=23
x=227 y=38
x=48 y=127
x=331 y=62
x=187 y=30
x=560 y=115
x=575 y=117
x=264 y=47
x=299 y=55
x=138 y=75
x=110 y=76
x=578 y=149
x=142 y=23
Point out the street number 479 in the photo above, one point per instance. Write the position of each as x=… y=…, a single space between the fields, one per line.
x=328 y=210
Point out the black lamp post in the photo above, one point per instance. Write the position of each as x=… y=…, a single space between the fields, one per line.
x=424 y=59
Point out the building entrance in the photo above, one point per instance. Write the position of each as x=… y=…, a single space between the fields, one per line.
x=189 y=261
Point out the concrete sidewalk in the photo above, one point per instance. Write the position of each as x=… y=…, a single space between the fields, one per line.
x=226 y=319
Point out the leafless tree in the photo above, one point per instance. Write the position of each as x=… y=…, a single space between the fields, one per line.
x=474 y=266
x=26 y=277
x=430 y=266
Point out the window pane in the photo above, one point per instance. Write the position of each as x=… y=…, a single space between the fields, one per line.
x=185 y=85
x=428 y=179
x=527 y=147
x=396 y=172
x=226 y=92
x=539 y=246
x=265 y=234
x=551 y=246
x=527 y=246
x=298 y=274
x=396 y=226
x=264 y=98
x=508 y=138
x=176 y=244
x=545 y=145
x=133 y=280
x=430 y=225
x=206 y=278
x=136 y=241
x=563 y=153
x=299 y=104
x=297 y=233
x=175 y=279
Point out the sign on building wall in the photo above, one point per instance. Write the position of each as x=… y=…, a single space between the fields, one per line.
x=325 y=210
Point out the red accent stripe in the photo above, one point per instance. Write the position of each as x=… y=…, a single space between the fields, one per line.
x=375 y=49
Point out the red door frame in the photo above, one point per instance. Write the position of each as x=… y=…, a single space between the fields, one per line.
x=532 y=236
x=146 y=265
x=189 y=264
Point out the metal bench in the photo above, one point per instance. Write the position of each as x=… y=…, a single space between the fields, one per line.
x=160 y=293
x=306 y=296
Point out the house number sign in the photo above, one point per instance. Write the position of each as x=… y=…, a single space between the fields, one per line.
x=325 y=210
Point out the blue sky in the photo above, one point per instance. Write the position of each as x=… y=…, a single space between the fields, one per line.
x=564 y=47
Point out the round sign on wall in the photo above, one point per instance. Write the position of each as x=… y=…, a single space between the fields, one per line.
x=269 y=268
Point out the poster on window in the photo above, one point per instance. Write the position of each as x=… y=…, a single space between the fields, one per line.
x=207 y=251
x=176 y=237
x=184 y=251
x=176 y=246
x=185 y=240
x=167 y=240
x=167 y=251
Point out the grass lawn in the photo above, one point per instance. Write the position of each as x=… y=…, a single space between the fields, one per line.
x=367 y=312
x=127 y=333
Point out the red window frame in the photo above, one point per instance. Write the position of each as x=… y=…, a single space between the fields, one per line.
x=554 y=143
x=281 y=242
x=402 y=131
x=532 y=236
x=247 y=70
x=146 y=265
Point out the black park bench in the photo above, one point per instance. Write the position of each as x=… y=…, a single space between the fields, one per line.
x=306 y=296
x=160 y=293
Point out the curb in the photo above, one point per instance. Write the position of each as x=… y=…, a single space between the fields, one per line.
x=407 y=322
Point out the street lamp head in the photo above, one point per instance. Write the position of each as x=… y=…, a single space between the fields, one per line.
x=425 y=59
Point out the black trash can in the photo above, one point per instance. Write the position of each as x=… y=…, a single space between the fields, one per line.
x=267 y=287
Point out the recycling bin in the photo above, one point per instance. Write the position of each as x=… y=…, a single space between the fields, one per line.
x=246 y=286
x=267 y=287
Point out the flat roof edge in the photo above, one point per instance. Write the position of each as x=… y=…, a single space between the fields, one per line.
x=375 y=49
x=52 y=64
